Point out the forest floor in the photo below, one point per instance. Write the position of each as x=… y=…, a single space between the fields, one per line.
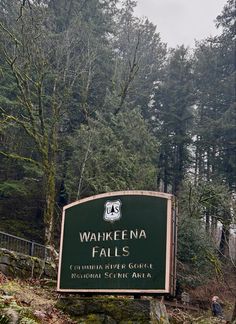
x=30 y=302
x=34 y=301
x=222 y=285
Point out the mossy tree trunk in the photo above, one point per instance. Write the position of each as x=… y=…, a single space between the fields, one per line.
x=234 y=312
x=37 y=109
x=50 y=194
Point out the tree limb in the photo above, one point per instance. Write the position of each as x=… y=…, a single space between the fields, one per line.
x=21 y=158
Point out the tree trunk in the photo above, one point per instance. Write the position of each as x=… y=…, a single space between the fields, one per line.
x=224 y=241
x=50 y=193
x=83 y=168
x=207 y=220
x=214 y=226
x=165 y=180
x=234 y=312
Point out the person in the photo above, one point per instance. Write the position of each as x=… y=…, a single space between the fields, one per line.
x=216 y=307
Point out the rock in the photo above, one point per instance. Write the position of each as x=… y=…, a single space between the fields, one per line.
x=106 y=310
x=11 y=315
x=158 y=312
x=40 y=314
x=16 y=265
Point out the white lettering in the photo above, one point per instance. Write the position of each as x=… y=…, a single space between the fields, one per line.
x=140 y=265
x=117 y=235
x=86 y=276
x=109 y=252
x=142 y=234
x=141 y=275
x=117 y=275
x=134 y=234
x=108 y=236
x=93 y=237
x=124 y=235
x=94 y=251
x=84 y=236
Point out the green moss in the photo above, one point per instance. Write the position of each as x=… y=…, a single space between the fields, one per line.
x=4 y=319
x=93 y=319
x=26 y=320
x=111 y=307
x=118 y=310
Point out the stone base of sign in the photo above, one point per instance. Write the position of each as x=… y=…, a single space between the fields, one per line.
x=111 y=310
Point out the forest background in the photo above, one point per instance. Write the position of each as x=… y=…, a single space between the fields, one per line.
x=91 y=101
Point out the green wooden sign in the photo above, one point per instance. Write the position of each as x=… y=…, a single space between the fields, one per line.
x=119 y=242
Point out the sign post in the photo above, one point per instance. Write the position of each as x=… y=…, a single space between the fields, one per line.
x=119 y=242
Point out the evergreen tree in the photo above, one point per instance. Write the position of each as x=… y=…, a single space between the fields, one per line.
x=111 y=155
x=56 y=75
x=172 y=114
x=216 y=117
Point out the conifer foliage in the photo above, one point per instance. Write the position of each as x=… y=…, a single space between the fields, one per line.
x=91 y=100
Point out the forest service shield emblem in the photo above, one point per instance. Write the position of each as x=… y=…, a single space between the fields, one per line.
x=112 y=211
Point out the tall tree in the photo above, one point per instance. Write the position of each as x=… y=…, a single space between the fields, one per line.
x=216 y=118
x=42 y=65
x=215 y=142
x=37 y=112
x=114 y=154
x=138 y=56
x=172 y=113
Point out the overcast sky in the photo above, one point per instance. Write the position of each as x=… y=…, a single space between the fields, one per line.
x=182 y=21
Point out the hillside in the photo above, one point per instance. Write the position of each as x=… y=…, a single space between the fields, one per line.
x=36 y=301
x=30 y=302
